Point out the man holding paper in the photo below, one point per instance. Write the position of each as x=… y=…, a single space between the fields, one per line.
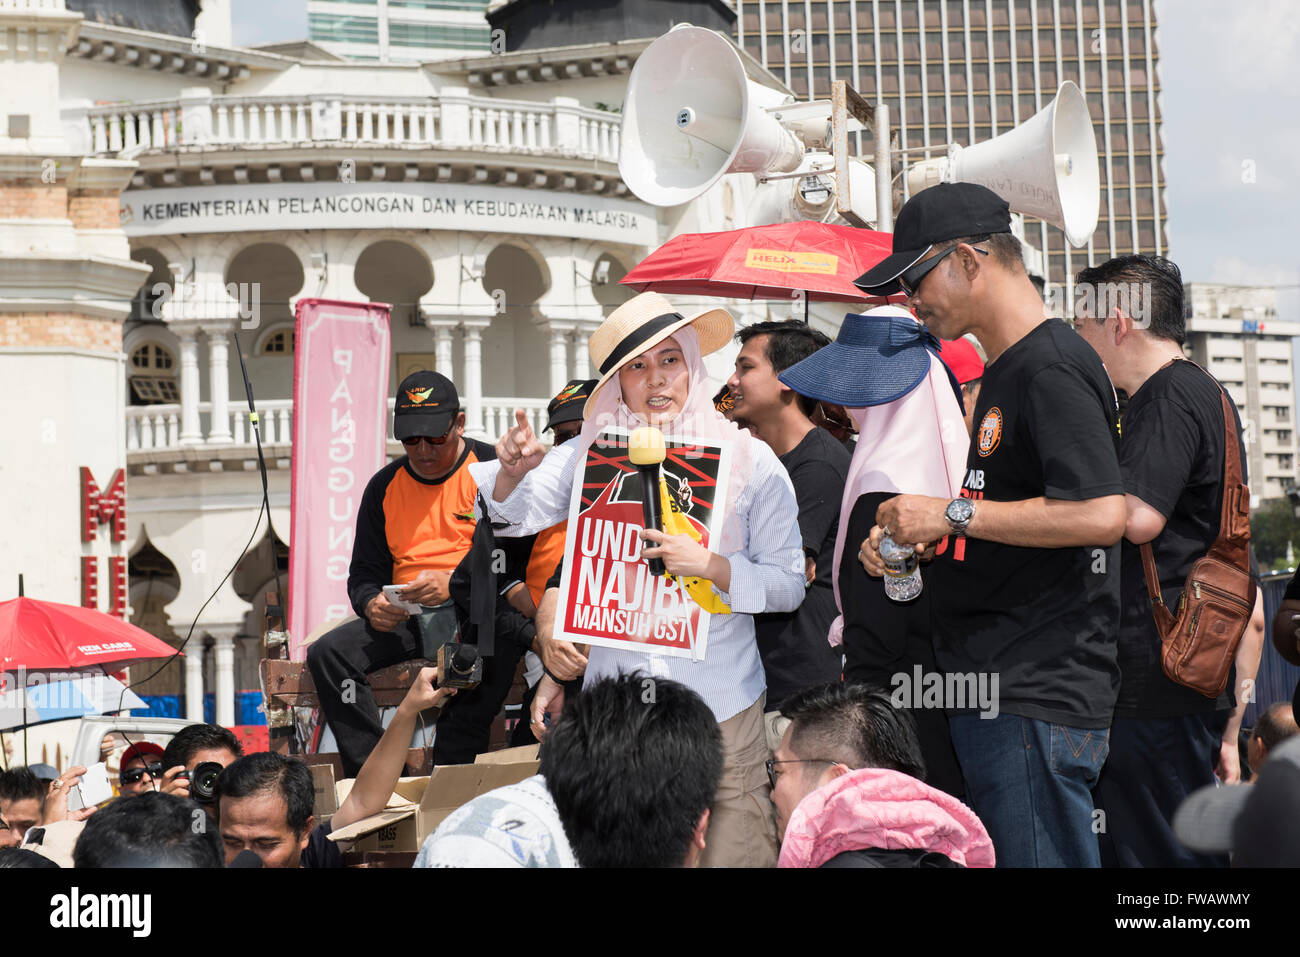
x=650 y=360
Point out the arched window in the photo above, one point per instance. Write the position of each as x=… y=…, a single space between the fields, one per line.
x=279 y=343
x=153 y=376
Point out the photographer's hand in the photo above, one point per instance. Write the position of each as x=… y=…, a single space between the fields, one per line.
x=176 y=781
x=378 y=776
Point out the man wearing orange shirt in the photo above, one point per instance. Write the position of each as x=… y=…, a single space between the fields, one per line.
x=414 y=525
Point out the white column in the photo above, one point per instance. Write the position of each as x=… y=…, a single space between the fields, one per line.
x=472 y=395
x=194 y=683
x=225 y=680
x=218 y=383
x=191 y=433
x=581 y=357
x=559 y=336
x=442 y=350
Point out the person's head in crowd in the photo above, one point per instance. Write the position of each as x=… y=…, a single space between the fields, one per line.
x=564 y=412
x=961 y=356
x=197 y=743
x=1272 y=727
x=766 y=350
x=1128 y=309
x=651 y=363
x=141 y=765
x=512 y=826
x=265 y=806
x=956 y=260
x=428 y=421
x=21 y=857
x=22 y=795
x=1258 y=824
x=834 y=729
x=150 y=830
x=633 y=765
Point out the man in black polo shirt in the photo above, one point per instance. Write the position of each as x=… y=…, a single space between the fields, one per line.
x=793 y=645
x=1025 y=587
x=1165 y=738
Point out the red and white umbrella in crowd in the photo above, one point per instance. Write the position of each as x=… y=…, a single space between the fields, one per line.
x=47 y=635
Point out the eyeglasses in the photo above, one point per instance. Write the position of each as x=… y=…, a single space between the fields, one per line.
x=563 y=435
x=135 y=774
x=909 y=280
x=771 y=764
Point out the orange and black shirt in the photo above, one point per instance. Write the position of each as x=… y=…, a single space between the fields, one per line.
x=408 y=524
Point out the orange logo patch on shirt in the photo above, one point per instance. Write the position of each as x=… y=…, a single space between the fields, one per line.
x=990 y=432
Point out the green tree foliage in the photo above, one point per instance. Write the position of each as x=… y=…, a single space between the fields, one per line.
x=1271 y=527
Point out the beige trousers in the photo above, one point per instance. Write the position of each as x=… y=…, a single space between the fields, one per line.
x=742 y=823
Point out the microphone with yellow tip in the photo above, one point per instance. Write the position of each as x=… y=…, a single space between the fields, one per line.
x=645 y=450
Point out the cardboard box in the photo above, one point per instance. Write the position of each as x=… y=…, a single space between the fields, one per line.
x=419 y=805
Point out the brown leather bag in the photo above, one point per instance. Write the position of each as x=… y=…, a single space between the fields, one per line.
x=1200 y=640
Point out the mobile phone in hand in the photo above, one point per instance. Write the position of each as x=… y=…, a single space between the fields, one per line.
x=394 y=595
x=92 y=789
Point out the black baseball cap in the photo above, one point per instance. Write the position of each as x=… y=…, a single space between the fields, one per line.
x=426 y=405
x=568 y=403
x=946 y=211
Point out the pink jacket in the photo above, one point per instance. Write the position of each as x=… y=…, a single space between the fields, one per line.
x=873 y=807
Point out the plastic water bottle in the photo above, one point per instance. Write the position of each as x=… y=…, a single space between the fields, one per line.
x=902 y=570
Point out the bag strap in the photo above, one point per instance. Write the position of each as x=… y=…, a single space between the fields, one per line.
x=1230 y=550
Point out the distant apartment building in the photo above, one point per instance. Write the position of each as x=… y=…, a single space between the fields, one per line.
x=399 y=31
x=1234 y=333
x=963 y=71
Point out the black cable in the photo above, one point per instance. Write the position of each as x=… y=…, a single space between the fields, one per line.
x=255 y=424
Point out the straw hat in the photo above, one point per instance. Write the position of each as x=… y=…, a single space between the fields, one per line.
x=645 y=321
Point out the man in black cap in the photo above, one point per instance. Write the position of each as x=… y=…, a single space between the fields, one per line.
x=1026 y=582
x=414 y=525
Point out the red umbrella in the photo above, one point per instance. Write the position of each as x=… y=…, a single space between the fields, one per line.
x=765 y=262
x=45 y=634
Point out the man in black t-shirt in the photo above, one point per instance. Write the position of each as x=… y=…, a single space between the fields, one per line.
x=1025 y=587
x=793 y=645
x=1165 y=738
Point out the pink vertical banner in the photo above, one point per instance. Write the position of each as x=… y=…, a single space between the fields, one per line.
x=340 y=439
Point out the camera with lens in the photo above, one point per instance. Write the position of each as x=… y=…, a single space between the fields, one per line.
x=203 y=781
x=459 y=666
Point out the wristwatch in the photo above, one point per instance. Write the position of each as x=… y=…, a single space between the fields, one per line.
x=959 y=513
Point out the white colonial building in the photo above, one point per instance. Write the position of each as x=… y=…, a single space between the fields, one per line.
x=193 y=194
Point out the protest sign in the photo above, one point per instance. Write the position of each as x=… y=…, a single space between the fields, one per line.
x=607 y=594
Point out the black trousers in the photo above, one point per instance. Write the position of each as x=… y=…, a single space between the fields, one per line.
x=339 y=662
x=1154 y=764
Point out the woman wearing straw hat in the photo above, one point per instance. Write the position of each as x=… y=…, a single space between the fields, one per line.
x=650 y=359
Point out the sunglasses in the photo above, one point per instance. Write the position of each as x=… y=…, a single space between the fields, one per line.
x=415 y=440
x=909 y=280
x=135 y=774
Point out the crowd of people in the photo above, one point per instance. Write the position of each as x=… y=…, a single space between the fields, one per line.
x=1015 y=712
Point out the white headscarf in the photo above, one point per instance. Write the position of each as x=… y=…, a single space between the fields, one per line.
x=698 y=420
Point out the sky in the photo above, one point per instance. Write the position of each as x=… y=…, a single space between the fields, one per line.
x=1230 y=104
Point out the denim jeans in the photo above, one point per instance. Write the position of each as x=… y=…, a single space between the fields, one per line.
x=1031 y=783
